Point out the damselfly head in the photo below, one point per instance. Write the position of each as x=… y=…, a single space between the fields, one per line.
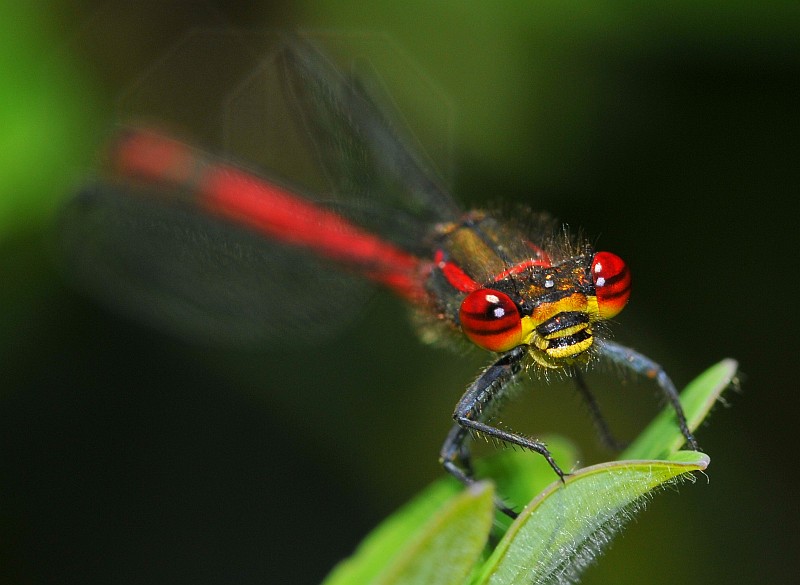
x=555 y=310
x=565 y=327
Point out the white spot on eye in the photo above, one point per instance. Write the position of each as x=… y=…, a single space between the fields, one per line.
x=494 y=299
x=600 y=282
x=499 y=312
x=549 y=283
x=598 y=267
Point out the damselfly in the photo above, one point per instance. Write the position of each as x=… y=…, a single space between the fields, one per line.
x=523 y=290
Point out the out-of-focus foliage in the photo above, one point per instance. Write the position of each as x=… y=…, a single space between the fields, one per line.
x=46 y=103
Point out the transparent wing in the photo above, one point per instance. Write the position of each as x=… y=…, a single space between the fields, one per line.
x=364 y=151
x=176 y=267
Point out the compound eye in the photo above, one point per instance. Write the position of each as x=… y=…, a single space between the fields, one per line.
x=491 y=320
x=612 y=283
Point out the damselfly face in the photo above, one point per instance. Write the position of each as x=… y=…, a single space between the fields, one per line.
x=552 y=309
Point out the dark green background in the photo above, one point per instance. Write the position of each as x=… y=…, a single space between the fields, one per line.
x=670 y=133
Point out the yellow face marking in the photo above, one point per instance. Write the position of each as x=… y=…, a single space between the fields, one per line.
x=555 y=356
x=592 y=308
x=528 y=326
x=538 y=342
x=567 y=351
x=567 y=331
x=576 y=302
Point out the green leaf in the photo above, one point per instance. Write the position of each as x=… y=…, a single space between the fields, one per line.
x=437 y=538
x=519 y=474
x=663 y=437
x=565 y=528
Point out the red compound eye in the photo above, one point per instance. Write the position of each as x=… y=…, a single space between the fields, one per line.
x=612 y=283
x=491 y=320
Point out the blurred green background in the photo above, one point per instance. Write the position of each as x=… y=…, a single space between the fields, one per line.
x=670 y=133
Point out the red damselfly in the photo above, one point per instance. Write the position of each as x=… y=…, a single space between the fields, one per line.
x=523 y=290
